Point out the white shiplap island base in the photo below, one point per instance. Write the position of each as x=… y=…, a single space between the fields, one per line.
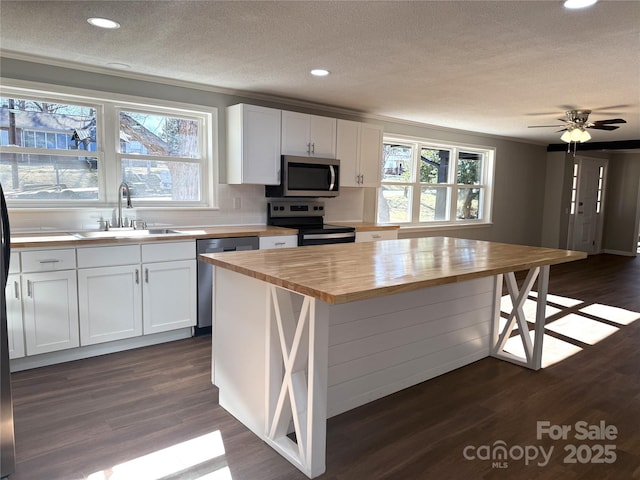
x=307 y=333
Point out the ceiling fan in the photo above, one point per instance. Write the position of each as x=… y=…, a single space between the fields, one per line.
x=580 y=119
x=575 y=126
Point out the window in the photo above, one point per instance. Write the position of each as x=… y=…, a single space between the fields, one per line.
x=41 y=157
x=62 y=149
x=425 y=183
x=160 y=156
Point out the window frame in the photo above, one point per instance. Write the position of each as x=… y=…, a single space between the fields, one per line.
x=107 y=106
x=485 y=202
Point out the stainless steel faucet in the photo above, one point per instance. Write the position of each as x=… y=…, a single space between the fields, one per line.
x=123 y=187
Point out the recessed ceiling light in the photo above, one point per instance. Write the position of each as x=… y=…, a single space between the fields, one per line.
x=573 y=4
x=103 y=22
x=319 y=72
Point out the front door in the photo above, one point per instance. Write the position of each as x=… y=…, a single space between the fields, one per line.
x=587 y=202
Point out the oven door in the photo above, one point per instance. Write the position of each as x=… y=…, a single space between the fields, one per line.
x=325 y=235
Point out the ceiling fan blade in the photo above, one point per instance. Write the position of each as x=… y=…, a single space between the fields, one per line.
x=603 y=127
x=613 y=120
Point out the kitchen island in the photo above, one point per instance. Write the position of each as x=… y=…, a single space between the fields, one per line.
x=306 y=333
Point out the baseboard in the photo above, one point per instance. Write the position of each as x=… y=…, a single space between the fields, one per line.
x=620 y=252
x=61 y=356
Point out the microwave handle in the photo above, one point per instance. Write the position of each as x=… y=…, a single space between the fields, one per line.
x=332 y=180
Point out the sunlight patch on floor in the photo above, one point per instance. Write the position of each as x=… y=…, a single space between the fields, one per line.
x=581 y=328
x=613 y=314
x=171 y=460
x=529 y=308
x=566 y=302
x=554 y=350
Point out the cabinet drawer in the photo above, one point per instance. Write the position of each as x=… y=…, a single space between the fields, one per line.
x=376 y=235
x=89 y=257
x=48 y=260
x=280 y=241
x=162 y=252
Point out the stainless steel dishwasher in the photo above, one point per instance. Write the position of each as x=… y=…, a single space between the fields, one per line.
x=205 y=274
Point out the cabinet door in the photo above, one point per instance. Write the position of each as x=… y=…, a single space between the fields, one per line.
x=347 y=150
x=370 y=155
x=296 y=134
x=169 y=296
x=253 y=145
x=110 y=303
x=323 y=136
x=14 y=317
x=50 y=311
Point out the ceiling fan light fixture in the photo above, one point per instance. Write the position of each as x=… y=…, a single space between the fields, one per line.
x=566 y=136
x=575 y=4
x=584 y=136
x=576 y=134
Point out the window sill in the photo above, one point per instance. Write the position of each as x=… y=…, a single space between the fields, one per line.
x=440 y=227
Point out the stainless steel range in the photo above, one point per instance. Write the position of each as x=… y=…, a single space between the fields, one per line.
x=308 y=217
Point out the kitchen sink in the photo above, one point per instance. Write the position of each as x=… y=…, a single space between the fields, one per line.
x=125 y=233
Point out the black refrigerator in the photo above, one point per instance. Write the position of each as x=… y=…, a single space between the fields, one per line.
x=7 y=442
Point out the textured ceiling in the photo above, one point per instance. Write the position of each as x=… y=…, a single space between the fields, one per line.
x=490 y=67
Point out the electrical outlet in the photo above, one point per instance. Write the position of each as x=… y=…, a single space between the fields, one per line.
x=237 y=203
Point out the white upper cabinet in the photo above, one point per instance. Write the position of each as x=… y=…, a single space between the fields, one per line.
x=308 y=135
x=359 y=149
x=253 y=145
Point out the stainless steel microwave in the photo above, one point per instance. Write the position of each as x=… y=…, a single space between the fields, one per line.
x=306 y=177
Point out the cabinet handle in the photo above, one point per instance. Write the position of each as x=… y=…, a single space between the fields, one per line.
x=29 y=288
x=52 y=260
x=376 y=236
x=137 y=276
x=308 y=148
x=146 y=275
x=279 y=244
x=16 y=288
x=313 y=148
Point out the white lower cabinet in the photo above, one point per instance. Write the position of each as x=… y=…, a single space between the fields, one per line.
x=169 y=295
x=155 y=291
x=13 y=294
x=110 y=302
x=50 y=306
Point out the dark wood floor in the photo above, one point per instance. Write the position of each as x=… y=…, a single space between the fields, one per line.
x=79 y=418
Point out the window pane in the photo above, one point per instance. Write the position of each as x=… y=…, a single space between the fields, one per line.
x=37 y=124
x=434 y=203
x=38 y=177
x=468 y=203
x=394 y=203
x=151 y=134
x=469 y=168
x=434 y=165
x=161 y=181
x=397 y=163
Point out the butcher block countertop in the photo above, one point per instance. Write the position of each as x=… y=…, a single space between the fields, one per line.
x=348 y=272
x=42 y=240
